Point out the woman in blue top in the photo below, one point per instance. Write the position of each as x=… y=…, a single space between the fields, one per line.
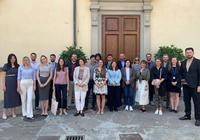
x=26 y=87
x=114 y=78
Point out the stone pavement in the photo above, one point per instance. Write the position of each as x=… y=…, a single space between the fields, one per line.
x=102 y=127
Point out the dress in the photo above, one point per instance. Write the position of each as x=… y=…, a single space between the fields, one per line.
x=99 y=78
x=11 y=96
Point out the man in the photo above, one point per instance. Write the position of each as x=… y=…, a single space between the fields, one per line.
x=121 y=62
x=53 y=65
x=71 y=66
x=35 y=66
x=97 y=57
x=166 y=65
x=109 y=61
x=92 y=66
x=190 y=72
x=150 y=65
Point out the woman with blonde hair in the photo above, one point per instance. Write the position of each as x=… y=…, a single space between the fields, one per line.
x=26 y=87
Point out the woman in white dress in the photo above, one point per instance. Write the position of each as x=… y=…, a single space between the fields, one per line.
x=142 y=87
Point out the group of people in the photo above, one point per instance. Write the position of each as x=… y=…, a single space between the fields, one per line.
x=110 y=83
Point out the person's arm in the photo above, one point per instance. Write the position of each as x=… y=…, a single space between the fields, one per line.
x=109 y=77
x=54 y=78
x=198 y=74
x=75 y=76
x=87 y=78
x=119 y=77
x=38 y=77
x=148 y=75
x=19 y=77
x=4 y=78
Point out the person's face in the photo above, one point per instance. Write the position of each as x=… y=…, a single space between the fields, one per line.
x=189 y=54
x=53 y=58
x=158 y=62
x=114 y=64
x=174 y=61
x=137 y=60
x=148 y=57
x=93 y=60
x=13 y=60
x=26 y=62
x=121 y=56
x=109 y=58
x=143 y=65
x=128 y=63
x=43 y=60
x=74 y=58
x=61 y=62
x=165 y=58
x=33 y=57
x=97 y=58
x=100 y=63
x=81 y=63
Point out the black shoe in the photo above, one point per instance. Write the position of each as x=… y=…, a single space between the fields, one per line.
x=82 y=114
x=175 y=111
x=185 y=118
x=93 y=108
x=37 y=108
x=197 y=123
x=115 y=109
x=86 y=108
x=77 y=114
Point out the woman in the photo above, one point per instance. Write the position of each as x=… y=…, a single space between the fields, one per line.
x=136 y=64
x=158 y=75
x=11 y=96
x=114 y=78
x=128 y=77
x=26 y=87
x=44 y=76
x=81 y=79
x=61 y=82
x=100 y=86
x=174 y=84
x=142 y=86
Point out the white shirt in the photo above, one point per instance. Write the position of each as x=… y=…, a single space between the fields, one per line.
x=128 y=74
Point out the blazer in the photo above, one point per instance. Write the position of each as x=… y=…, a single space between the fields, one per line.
x=132 y=76
x=119 y=64
x=84 y=81
x=70 y=70
x=192 y=76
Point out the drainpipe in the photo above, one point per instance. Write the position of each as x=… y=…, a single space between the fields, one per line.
x=74 y=23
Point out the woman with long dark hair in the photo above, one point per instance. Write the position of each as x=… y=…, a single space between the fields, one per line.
x=11 y=96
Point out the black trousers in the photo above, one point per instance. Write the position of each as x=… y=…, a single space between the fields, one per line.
x=191 y=93
x=113 y=97
x=90 y=88
x=151 y=91
x=37 y=98
x=50 y=93
x=61 y=95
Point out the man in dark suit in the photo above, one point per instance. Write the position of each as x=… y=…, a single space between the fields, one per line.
x=190 y=73
x=121 y=61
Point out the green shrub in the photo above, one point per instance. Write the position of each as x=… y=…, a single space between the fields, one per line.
x=172 y=51
x=70 y=50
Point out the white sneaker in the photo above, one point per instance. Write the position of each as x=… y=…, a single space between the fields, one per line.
x=126 y=108
x=160 y=113
x=157 y=112
x=130 y=108
x=64 y=112
x=4 y=117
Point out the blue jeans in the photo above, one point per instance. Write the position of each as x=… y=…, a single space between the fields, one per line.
x=129 y=95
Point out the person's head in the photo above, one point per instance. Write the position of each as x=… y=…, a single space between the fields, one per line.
x=98 y=57
x=137 y=60
x=61 y=64
x=92 y=59
x=189 y=53
x=165 y=58
x=109 y=57
x=82 y=62
x=114 y=65
x=174 y=61
x=26 y=61
x=121 y=56
x=12 y=60
x=158 y=62
x=148 y=56
x=53 y=58
x=43 y=59
x=143 y=64
x=74 y=57
x=33 y=56
x=101 y=64
x=128 y=63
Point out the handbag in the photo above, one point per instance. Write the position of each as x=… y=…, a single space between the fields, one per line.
x=54 y=105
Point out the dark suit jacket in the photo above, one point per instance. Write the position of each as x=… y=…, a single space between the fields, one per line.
x=119 y=64
x=70 y=70
x=192 y=76
x=132 y=76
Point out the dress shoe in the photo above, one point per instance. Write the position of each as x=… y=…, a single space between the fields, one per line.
x=197 y=123
x=185 y=118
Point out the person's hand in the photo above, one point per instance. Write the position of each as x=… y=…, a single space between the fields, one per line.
x=198 y=89
x=4 y=88
x=18 y=90
x=34 y=87
x=174 y=83
x=146 y=88
x=127 y=82
x=114 y=84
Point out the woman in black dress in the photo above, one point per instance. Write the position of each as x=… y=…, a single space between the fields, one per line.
x=174 y=84
x=11 y=96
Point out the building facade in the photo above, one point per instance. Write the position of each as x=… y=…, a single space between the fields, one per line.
x=133 y=27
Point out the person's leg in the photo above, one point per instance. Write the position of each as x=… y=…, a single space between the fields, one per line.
x=98 y=103
x=126 y=96
x=83 y=95
x=37 y=96
x=196 y=100
x=156 y=98
x=93 y=96
x=77 y=100
x=64 y=97
x=176 y=101
x=4 y=116
x=102 y=103
x=29 y=100
x=172 y=100
x=187 y=100
x=50 y=93
x=70 y=94
x=23 y=96
x=58 y=96
x=88 y=94
x=151 y=92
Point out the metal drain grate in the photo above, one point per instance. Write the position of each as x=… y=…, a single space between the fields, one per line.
x=75 y=138
x=130 y=137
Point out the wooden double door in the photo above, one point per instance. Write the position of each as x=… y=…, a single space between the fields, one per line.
x=121 y=34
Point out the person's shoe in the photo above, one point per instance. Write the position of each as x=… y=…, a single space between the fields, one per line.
x=156 y=112
x=86 y=108
x=171 y=110
x=111 y=109
x=77 y=114
x=98 y=112
x=185 y=118
x=126 y=108
x=93 y=108
x=115 y=109
x=197 y=123
x=130 y=108
x=102 y=112
x=14 y=115
x=60 y=114
x=64 y=112
x=37 y=108
x=175 y=111
x=82 y=114
x=4 y=117
x=160 y=113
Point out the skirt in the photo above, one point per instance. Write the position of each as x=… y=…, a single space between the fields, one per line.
x=101 y=91
x=142 y=92
x=44 y=91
